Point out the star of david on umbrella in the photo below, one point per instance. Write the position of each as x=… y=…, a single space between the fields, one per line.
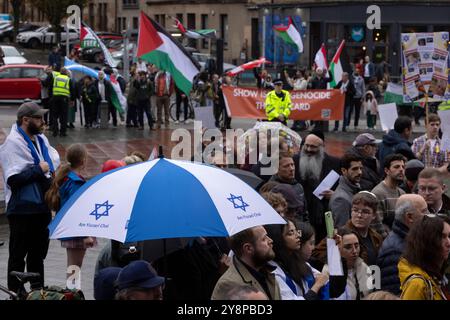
x=233 y=199
x=98 y=213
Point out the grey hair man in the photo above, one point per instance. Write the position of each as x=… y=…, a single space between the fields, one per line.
x=409 y=209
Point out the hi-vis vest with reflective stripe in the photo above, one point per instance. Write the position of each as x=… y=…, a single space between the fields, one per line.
x=61 y=85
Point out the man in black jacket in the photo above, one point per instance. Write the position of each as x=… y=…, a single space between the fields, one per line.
x=409 y=209
x=320 y=82
x=28 y=162
x=347 y=88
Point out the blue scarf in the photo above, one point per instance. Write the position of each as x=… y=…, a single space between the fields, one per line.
x=33 y=150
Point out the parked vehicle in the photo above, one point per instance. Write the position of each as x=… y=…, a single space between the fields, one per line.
x=47 y=35
x=95 y=54
x=203 y=58
x=6 y=35
x=20 y=81
x=12 y=55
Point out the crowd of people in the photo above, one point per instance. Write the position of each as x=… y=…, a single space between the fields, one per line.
x=389 y=208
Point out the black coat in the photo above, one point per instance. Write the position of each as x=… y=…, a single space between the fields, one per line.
x=389 y=255
x=349 y=93
x=316 y=207
x=108 y=90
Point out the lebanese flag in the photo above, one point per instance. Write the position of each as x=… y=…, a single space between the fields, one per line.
x=336 y=67
x=194 y=34
x=247 y=66
x=320 y=60
x=290 y=35
x=156 y=46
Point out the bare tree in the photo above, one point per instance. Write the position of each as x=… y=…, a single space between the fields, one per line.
x=55 y=11
x=17 y=16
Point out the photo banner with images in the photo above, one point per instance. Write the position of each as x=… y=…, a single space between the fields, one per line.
x=425 y=65
x=248 y=103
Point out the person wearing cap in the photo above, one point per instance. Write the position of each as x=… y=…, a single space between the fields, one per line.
x=104 y=283
x=278 y=103
x=412 y=169
x=427 y=148
x=365 y=146
x=28 y=162
x=139 y=281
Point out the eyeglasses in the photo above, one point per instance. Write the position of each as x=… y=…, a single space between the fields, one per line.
x=364 y=212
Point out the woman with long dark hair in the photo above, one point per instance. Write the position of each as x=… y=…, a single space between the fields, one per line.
x=421 y=268
x=291 y=269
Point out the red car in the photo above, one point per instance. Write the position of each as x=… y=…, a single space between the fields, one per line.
x=21 y=81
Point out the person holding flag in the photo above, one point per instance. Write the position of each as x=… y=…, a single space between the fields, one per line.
x=278 y=103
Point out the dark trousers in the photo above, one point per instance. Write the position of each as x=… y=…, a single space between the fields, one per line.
x=371 y=120
x=144 y=106
x=162 y=103
x=180 y=100
x=113 y=113
x=217 y=109
x=90 y=113
x=46 y=105
x=131 y=115
x=28 y=239
x=347 y=116
x=357 y=105
x=59 y=111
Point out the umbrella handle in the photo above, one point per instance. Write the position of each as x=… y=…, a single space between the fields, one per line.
x=160 y=151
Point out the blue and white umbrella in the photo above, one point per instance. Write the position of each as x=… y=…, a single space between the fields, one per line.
x=161 y=199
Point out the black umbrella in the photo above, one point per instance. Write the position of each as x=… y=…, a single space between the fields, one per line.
x=155 y=249
x=248 y=177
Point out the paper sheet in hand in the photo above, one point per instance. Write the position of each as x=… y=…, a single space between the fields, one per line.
x=388 y=114
x=334 y=258
x=326 y=183
x=445 y=127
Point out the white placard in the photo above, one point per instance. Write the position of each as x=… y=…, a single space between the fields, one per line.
x=206 y=116
x=326 y=183
x=388 y=115
x=445 y=127
x=334 y=258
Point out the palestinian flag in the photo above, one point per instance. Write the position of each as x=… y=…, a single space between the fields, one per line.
x=195 y=34
x=247 y=66
x=336 y=67
x=290 y=35
x=89 y=38
x=156 y=46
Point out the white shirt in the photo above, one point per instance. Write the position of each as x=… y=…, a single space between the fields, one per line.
x=366 y=70
x=101 y=89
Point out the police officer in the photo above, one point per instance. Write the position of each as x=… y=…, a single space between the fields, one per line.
x=60 y=101
x=278 y=103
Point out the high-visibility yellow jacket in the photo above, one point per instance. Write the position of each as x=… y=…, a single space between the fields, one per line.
x=276 y=106
x=61 y=85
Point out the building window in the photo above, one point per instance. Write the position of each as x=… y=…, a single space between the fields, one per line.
x=157 y=18
x=191 y=25
x=135 y=23
x=162 y=20
x=180 y=17
x=204 y=25
x=91 y=15
x=130 y=4
x=224 y=29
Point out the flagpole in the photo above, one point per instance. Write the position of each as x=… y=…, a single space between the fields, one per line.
x=265 y=11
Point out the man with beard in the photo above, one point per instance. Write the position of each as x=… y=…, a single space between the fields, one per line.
x=252 y=250
x=388 y=191
x=312 y=165
x=28 y=162
x=341 y=200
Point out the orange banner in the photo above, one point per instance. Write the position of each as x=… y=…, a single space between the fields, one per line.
x=306 y=104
